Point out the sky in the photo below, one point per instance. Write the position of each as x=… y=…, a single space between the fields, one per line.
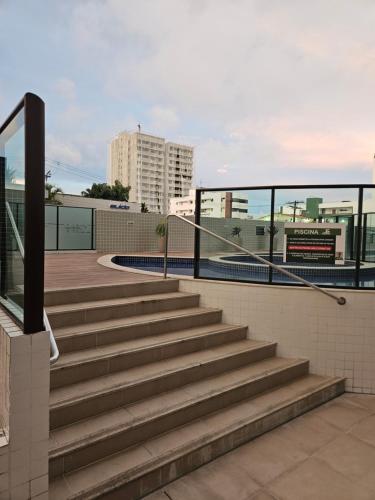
x=267 y=92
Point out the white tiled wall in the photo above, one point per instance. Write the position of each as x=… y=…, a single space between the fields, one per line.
x=338 y=340
x=24 y=382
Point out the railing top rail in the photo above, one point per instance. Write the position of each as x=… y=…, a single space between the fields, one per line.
x=289 y=186
x=340 y=300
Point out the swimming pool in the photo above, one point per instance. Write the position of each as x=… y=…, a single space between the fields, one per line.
x=237 y=267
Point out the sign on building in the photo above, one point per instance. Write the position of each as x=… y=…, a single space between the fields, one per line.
x=314 y=243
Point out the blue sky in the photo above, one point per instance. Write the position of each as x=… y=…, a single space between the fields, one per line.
x=267 y=92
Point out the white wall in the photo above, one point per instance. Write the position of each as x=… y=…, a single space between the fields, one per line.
x=338 y=340
x=24 y=412
x=72 y=200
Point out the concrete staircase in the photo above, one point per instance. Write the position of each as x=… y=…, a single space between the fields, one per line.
x=150 y=386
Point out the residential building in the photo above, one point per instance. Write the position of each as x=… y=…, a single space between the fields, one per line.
x=184 y=205
x=155 y=170
x=218 y=204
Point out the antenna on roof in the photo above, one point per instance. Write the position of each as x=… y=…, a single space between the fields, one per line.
x=139 y=127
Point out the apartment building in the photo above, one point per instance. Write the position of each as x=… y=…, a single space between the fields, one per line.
x=218 y=204
x=155 y=169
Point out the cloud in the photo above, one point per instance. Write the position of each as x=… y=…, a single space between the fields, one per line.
x=62 y=151
x=222 y=170
x=268 y=91
x=163 y=119
x=302 y=81
x=66 y=88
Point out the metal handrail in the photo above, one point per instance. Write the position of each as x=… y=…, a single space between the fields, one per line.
x=54 y=349
x=340 y=300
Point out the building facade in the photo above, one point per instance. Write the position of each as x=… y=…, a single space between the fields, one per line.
x=155 y=170
x=218 y=204
x=75 y=200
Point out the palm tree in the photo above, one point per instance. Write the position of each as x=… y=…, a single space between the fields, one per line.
x=104 y=191
x=52 y=191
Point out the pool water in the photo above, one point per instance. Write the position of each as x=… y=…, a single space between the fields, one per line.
x=244 y=268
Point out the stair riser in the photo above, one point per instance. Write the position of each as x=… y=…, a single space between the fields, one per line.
x=81 y=457
x=101 y=403
x=167 y=471
x=86 y=371
x=134 y=331
x=72 y=296
x=81 y=316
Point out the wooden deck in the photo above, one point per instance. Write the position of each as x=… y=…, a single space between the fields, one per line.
x=79 y=269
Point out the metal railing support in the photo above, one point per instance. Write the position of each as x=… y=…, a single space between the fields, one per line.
x=340 y=300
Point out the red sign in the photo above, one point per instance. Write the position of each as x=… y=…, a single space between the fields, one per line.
x=309 y=247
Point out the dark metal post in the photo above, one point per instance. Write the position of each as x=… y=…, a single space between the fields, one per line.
x=364 y=237
x=351 y=235
x=34 y=214
x=92 y=229
x=198 y=197
x=272 y=233
x=57 y=227
x=358 y=238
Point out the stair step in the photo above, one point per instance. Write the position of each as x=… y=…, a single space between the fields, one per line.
x=84 y=365
x=78 y=445
x=139 y=470
x=100 y=310
x=110 y=291
x=73 y=338
x=84 y=399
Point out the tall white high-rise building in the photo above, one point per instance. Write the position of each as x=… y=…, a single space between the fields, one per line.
x=155 y=170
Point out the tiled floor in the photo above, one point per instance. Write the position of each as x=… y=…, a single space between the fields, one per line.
x=79 y=269
x=327 y=454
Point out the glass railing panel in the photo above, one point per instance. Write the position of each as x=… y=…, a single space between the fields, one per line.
x=75 y=228
x=12 y=199
x=367 y=258
x=316 y=235
x=50 y=233
x=243 y=217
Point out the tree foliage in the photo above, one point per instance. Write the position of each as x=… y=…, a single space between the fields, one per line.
x=144 y=209
x=236 y=231
x=117 y=192
x=52 y=191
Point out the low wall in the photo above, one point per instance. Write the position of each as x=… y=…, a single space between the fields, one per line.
x=338 y=340
x=130 y=232
x=24 y=412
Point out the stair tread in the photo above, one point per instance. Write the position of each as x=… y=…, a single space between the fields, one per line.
x=131 y=463
x=118 y=348
x=65 y=395
x=96 y=304
x=100 y=426
x=100 y=286
x=67 y=331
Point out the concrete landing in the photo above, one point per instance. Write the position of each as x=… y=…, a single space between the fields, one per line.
x=327 y=454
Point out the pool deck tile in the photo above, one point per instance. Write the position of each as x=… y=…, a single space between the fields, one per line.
x=286 y=463
x=66 y=270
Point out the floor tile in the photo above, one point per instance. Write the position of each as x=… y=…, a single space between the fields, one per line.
x=351 y=457
x=341 y=414
x=308 y=432
x=215 y=481
x=365 y=430
x=363 y=400
x=314 y=480
x=267 y=457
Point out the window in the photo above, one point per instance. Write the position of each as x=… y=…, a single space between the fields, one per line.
x=259 y=230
